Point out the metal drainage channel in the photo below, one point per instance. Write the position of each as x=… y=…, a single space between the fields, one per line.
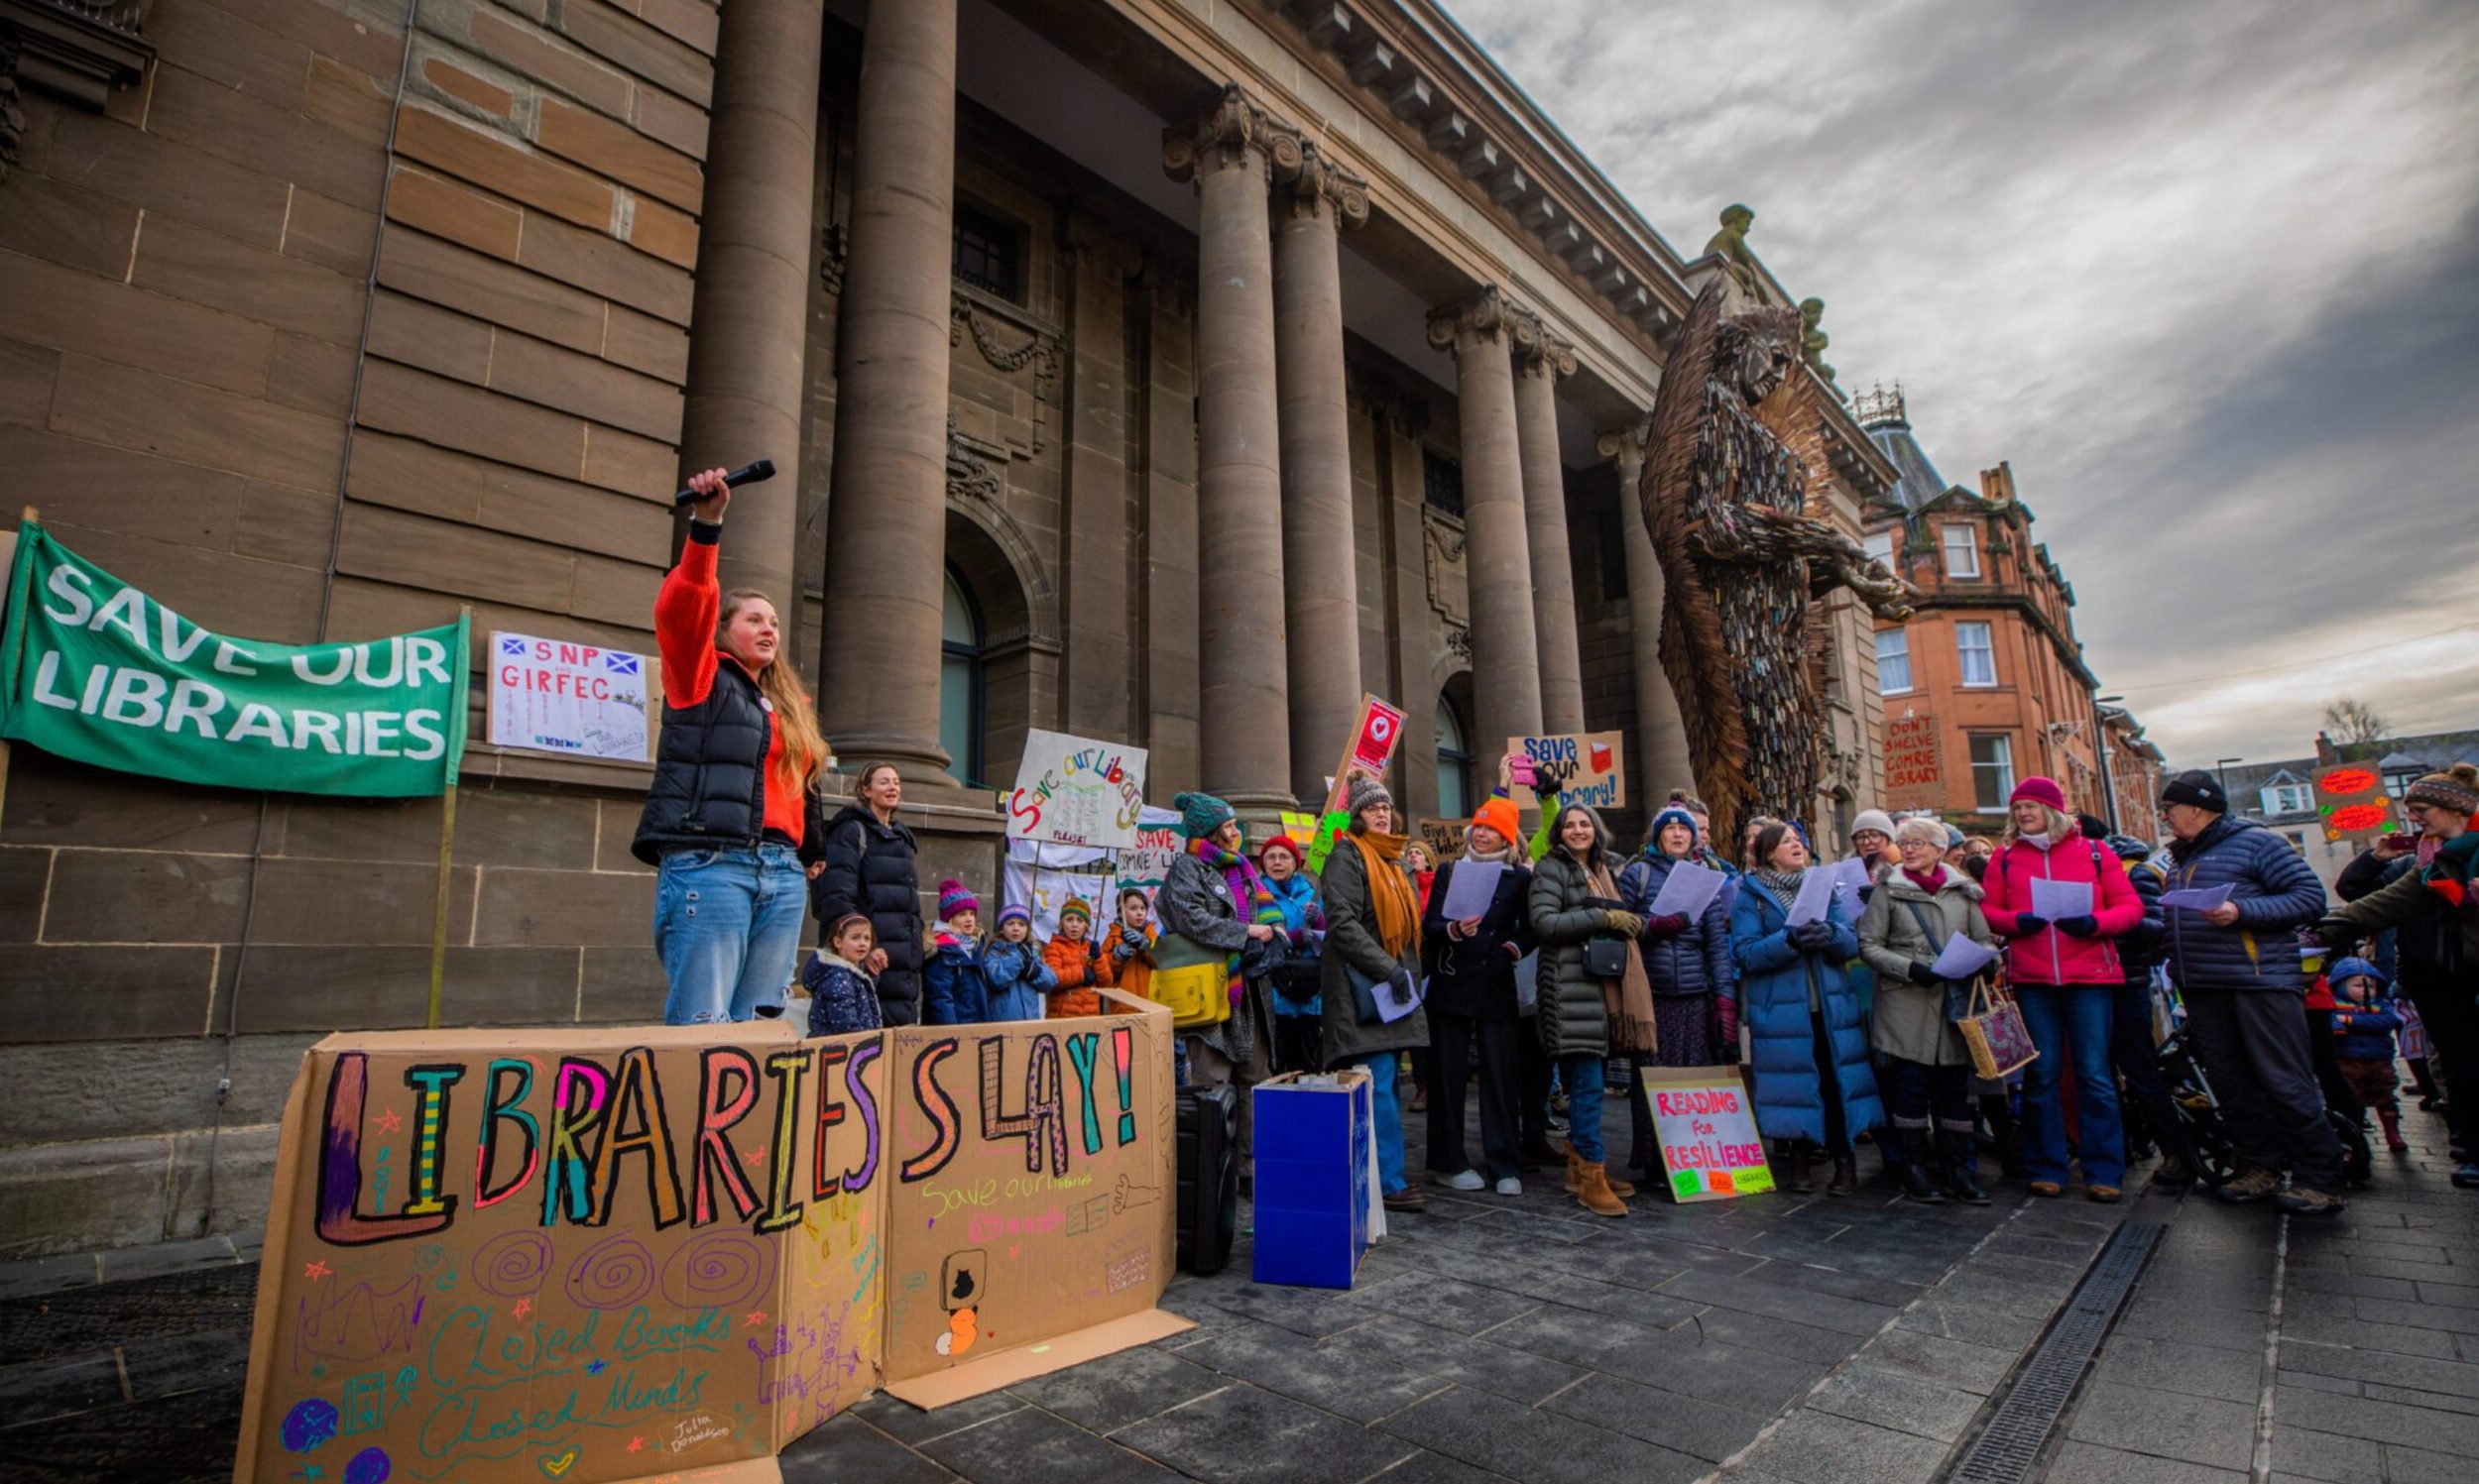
x=2007 y=1449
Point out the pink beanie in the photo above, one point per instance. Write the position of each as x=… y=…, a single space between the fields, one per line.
x=2040 y=791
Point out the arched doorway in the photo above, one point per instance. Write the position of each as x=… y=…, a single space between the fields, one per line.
x=963 y=693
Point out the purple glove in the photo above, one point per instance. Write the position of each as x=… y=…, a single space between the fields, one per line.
x=1725 y=1025
x=1668 y=925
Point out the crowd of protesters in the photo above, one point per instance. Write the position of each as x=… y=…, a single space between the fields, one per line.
x=2208 y=955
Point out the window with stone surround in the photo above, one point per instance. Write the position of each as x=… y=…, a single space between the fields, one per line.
x=1880 y=545
x=1963 y=552
x=1455 y=800
x=960 y=686
x=1442 y=482
x=1992 y=771
x=1977 y=653
x=1893 y=660
x=987 y=252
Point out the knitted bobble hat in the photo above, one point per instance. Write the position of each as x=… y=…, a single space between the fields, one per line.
x=1671 y=815
x=953 y=899
x=2456 y=789
x=1017 y=911
x=1873 y=819
x=2039 y=790
x=1076 y=906
x=1365 y=791
x=1201 y=814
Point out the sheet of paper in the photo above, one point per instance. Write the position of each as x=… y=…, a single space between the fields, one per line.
x=1528 y=983
x=2059 y=899
x=1686 y=891
x=1850 y=874
x=1396 y=997
x=1815 y=896
x=2197 y=898
x=1963 y=959
x=1471 y=888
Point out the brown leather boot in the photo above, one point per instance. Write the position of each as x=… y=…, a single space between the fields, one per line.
x=1845 y=1179
x=1596 y=1194
x=1790 y=1163
x=1575 y=1170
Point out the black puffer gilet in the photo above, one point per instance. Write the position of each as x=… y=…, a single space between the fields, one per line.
x=709 y=788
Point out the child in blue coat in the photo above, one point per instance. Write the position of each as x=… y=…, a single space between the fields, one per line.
x=1808 y=1034
x=2364 y=1019
x=952 y=990
x=842 y=995
x=1012 y=974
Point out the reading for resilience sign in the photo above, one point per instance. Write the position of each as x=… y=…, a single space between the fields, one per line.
x=98 y=671
x=1709 y=1139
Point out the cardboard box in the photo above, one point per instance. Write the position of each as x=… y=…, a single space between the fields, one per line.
x=1316 y=1180
x=596 y=1255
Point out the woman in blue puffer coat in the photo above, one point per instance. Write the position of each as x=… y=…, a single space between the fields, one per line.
x=1688 y=960
x=1809 y=1035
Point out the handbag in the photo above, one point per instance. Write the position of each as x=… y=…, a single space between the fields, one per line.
x=2001 y=1044
x=1192 y=981
x=1605 y=957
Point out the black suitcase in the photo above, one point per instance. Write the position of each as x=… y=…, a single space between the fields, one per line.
x=1209 y=1177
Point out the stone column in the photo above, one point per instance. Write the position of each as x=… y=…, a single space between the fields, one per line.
x=1540 y=360
x=1505 y=658
x=1320 y=600
x=746 y=388
x=1661 y=762
x=887 y=532
x=1247 y=741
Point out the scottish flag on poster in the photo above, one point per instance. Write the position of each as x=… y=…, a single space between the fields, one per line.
x=574 y=699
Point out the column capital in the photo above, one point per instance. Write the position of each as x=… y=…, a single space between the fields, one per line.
x=1482 y=318
x=1537 y=351
x=1237 y=133
x=1318 y=186
x=1625 y=444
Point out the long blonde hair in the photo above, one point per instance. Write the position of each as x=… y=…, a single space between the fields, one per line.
x=796 y=717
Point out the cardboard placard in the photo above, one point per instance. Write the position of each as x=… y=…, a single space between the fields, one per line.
x=1073 y=790
x=583 y=1255
x=1593 y=763
x=1375 y=736
x=1914 y=762
x=1145 y=863
x=572 y=699
x=1708 y=1128
x=2353 y=804
x=1444 y=839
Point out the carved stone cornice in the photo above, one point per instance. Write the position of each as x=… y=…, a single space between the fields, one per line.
x=1538 y=352
x=1237 y=133
x=1321 y=187
x=1483 y=318
x=77 y=50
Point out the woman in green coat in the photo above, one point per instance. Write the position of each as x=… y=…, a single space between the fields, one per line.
x=1372 y=929
x=1917 y=908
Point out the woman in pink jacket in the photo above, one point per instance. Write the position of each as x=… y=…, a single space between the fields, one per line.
x=2065 y=973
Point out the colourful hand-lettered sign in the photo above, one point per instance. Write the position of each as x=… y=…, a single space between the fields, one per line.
x=1707 y=1130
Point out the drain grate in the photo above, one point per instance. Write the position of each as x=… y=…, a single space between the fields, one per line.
x=2006 y=1450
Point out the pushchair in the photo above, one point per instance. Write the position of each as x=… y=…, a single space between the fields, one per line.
x=2199 y=1109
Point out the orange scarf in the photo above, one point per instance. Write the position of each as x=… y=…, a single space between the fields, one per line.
x=1390 y=891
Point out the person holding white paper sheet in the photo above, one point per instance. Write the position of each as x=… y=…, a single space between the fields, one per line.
x=1808 y=1035
x=1912 y=923
x=1471 y=961
x=1586 y=1015
x=1687 y=959
x=2064 y=974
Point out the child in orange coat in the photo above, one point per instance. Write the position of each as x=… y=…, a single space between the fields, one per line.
x=1126 y=960
x=1075 y=958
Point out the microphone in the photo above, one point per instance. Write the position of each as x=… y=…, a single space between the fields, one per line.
x=747 y=474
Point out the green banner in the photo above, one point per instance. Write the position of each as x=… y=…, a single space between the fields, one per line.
x=98 y=671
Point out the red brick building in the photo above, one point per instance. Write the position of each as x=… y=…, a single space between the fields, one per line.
x=1986 y=684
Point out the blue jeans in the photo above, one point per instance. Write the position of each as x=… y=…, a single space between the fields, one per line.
x=1581 y=1072
x=727 y=927
x=1388 y=1118
x=2077 y=1017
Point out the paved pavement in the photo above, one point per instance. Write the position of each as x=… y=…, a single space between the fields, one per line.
x=1770 y=1339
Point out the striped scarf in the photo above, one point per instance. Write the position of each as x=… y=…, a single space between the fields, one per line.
x=1249 y=896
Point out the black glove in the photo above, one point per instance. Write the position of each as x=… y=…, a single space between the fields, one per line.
x=2085 y=926
x=1812 y=936
x=2337 y=932
x=2026 y=925
x=1925 y=975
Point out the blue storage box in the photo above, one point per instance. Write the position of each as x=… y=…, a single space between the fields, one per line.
x=1315 y=1189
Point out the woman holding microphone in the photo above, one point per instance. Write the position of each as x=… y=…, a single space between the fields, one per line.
x=733 y=824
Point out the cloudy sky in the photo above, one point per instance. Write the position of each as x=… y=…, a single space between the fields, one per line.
x=2206 y=272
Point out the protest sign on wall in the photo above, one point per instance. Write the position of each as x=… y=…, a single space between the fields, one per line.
x=575 y=700
x=2352 y=804
x=94 y=669
x=1073 y=790
x=1707 y=1127
x=632 y=1254
x=1914 y=765
x=1591 y=765
x=1444 y=839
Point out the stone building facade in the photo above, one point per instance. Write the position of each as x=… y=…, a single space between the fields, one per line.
x=1986 y=684
x=1168 y=371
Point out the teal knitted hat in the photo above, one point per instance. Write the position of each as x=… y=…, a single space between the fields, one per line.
x=1201 y=814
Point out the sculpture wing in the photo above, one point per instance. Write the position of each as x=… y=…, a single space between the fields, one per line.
x=1675 y=503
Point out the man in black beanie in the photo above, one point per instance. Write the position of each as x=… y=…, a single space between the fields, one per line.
x=2237 y=962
